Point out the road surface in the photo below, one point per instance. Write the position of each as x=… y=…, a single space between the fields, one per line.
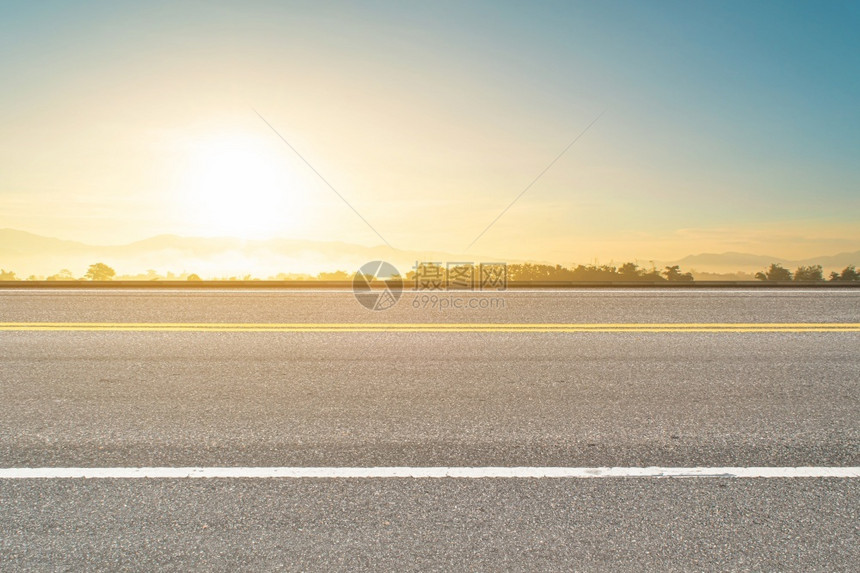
x=102 y=387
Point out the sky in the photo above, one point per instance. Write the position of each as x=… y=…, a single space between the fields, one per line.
x=720 y=126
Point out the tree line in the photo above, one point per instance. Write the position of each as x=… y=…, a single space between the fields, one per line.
x=633 y=272
x=585 y=273
x=812 y=273
x=515 y=272
x=96 y=272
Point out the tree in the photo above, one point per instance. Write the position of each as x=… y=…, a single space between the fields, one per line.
x=849 y=273
x=651 y=274
x=63 y=275
x=193 y=277
x=775 y=273
x=811 y=273
x=7 y=275
x=629 y=271
x=100 y=272
x=674 y=273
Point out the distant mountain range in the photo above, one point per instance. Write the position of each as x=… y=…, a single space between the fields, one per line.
x=746 y=262
x=30 y=254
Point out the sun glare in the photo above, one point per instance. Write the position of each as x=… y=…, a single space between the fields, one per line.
x=238 y=186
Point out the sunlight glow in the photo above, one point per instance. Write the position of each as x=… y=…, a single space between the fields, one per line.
x=237 y=186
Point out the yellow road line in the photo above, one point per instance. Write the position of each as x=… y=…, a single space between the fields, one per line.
x=428 y=327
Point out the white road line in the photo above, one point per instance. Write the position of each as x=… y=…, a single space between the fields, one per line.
x=428 y=472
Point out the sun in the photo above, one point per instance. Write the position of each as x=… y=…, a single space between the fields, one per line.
x=238 y=186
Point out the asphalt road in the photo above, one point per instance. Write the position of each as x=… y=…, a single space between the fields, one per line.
x=351 y=399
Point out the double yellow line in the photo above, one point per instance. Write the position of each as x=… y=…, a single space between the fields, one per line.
x=730 y=327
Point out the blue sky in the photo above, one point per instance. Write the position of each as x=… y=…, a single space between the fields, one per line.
x=727 y=125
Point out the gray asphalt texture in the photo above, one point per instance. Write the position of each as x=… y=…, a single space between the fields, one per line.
x=429 y=399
